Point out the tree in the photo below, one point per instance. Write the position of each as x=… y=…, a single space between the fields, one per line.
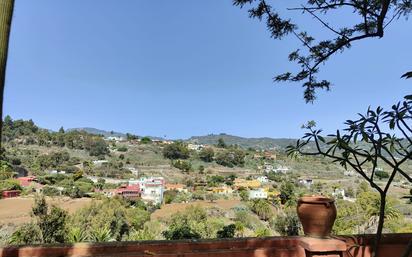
x=221 y=143
x=48 y=226
x=262 y=208
x=227 y=231
x=28 y=233
x=184 y=166
x=207 y=154
x=130 y=137
x=176 y=150
x=286 y=223
x=287 y=193
x=96 y=146
x=101 y=234
x=145 y=140
x=6 y=170
x=366 y=142
x=122 y=149
x=6 y=14
x=211 y=197
x=107 y=214
x=381 y=174
x=375 y=16
x=231 y=157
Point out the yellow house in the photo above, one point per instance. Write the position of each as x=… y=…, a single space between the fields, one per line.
x=239 y=182
x=271 y=191
x=223 y=190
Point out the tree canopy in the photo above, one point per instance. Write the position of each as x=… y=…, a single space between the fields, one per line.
x=374 y=17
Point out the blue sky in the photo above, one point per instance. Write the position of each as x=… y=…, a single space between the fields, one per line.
x=183 y=68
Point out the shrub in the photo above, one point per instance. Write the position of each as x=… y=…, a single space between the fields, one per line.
x=176 y=150
x=231 y=158
x=145 y=140
x=206 y=154
x=50 y=191
x=227 y=231
x=122 y=149
x=184 y=166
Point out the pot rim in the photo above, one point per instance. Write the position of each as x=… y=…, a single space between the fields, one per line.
x=316 y=199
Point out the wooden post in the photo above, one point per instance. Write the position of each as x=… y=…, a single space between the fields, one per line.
x=6 y=14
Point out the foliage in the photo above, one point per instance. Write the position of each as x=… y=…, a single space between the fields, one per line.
x=365 y=143
x=381 y=174
x=169 y=196
x=130 y=137
x=137 y=217
x=193 y=223
x=262 y=232
x=49 y=226
x=26 y=234
x=375 y=16
x=287 y=193
x=287 y=223
x=262 y=208
x=50 y=191
x=9 y=184
x=231 y=157
x=221 y=143
x=207 y=154
x=77 y=235
x=227 y=231
x=184 y=166
x=211 y=197
x=145 y=140
x=110 y=214
x=6 y=170
x=52 y=160
x=17 y=128
x=53 y=225
x=96 y=146
x=122 y=149
x=350 y=217
x=151 y=231
x=101 y=234
x=176 y=150
x=213 y=181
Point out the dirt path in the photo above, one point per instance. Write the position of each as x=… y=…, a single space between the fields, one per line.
x=17 y=210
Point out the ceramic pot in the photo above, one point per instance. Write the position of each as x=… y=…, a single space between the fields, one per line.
x=317 y=215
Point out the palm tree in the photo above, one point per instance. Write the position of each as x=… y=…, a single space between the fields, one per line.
x=6 y=14
x=77 y=235
x=391 y=213
x=101 y=234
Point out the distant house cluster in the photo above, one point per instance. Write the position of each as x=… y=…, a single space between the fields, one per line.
x=115 y=138
x=269 y=168
x=29 y=181
x=150 y=189
x=195 y=147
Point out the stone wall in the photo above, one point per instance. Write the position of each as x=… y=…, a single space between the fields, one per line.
x=355 y=246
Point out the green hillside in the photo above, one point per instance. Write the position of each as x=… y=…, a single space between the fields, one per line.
x=257 y=143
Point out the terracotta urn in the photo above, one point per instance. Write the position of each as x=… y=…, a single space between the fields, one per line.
x=317 y=215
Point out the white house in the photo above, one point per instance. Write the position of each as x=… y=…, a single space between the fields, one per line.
x=349 y=173
x=195 y=147
x=113 y=138
x=263 y=179
x=282 y=169
x=151 y=188
x=339 y=193
x=259 y=193
x=267 y=168
x=100 y=162
x=308 y=182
